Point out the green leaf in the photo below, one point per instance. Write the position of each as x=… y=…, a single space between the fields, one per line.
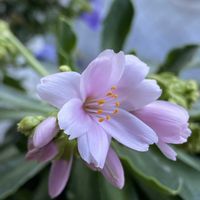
x=117 y=24
x=86 y=184
x=15 y=171
x=147 y=166
x=173 y=178
x=179 y=58
x=189 y=160
x=20 y=103
x=66 y=42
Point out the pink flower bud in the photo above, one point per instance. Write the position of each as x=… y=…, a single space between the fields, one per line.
x=45 y=132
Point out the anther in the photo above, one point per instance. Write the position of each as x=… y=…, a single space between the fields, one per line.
x=117 y=104
x=113 y=88
x=101 y=101
x=108 y=117
x=115 y=96
x=101 y=119
x=99 y=111
x=109 y=94
x=115 y=111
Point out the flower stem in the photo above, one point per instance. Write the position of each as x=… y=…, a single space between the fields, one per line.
x=34 y=64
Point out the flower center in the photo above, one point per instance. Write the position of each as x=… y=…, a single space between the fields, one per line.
x=103 y=108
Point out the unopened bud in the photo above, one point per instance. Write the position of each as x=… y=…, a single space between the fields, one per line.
x=182 y=92
x=27 y=124
x=65 y=68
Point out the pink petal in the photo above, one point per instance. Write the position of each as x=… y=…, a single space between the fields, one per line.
x=99 y=143
x=59 y=88
x=130 y=131
x=167 y=150
x=137 y=97
x=113 y=170
x=102 y=73
x=134 y=72
x=73 y=119
x=83 y=148
x=169 y=121
x=44 y=154
x=45 y=132
x=59 y=175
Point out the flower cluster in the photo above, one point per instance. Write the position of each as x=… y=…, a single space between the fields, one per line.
x=111 y=99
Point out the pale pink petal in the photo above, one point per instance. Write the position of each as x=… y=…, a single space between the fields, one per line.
x=113 y=170
x=45 y=132
x=43 y=154
x=130 y=131
x=167 y=150
x=99 y=143
x=73 y=119
x=169 y=121
x=83 y=148
x=102 y=73
x=134 y=72
x=59 y=175
x=146 y=92
x=59 y=88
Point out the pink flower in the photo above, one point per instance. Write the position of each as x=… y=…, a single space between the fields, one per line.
x=169 y=121
x=43 y=149
x=94 y=105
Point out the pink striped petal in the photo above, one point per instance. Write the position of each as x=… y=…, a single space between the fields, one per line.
x=73 y=119
x=130 y=131
x=167 y=150
x=169 y=121
x=45 y=154
x=99 y=143
x=59 y=175
x=59 y=88
x=83 y=148
x=135 y=71
x=102 y=73
x=134 y=98
x=113 y=170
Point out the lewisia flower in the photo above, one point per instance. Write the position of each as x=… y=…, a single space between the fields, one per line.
x=43 y=149
x=94 y=106
x=169 y=121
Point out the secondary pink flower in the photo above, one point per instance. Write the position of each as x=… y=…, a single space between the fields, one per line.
x=94 y=105
x=43 y=149
x=169 y=121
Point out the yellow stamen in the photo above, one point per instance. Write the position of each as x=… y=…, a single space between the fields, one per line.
x=115 y=96
x=109 y=94
x=101 y=101
x=100 y=111
x=108 y=117
x=117 y=104
x=115 y=111
x=113 y=88
x=101 y=119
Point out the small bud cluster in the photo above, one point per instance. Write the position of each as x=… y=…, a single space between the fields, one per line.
x=175 y=90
